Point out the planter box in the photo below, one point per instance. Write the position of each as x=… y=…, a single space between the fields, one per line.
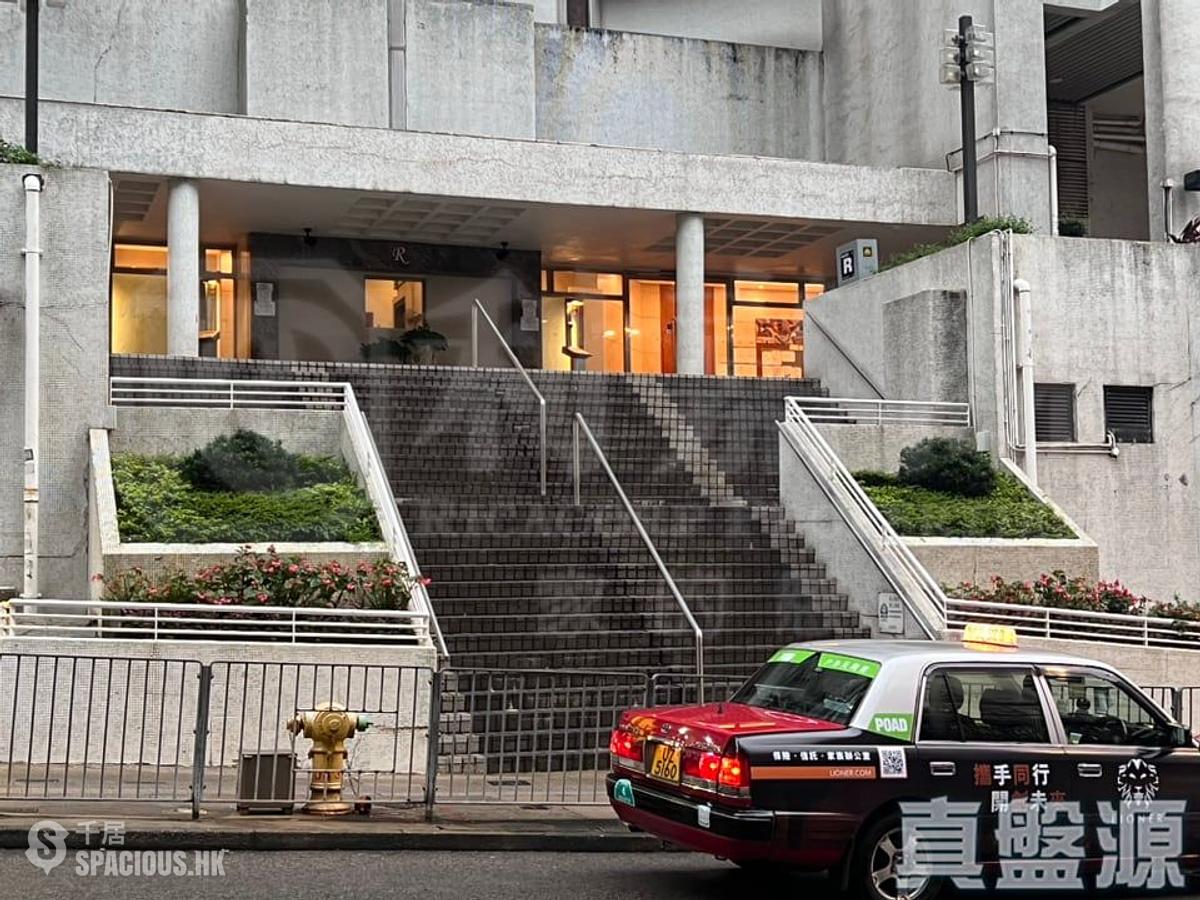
x=157 y=431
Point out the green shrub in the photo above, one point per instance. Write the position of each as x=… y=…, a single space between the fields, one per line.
x=960 y=235
x=156 y=503
x=953 y=467
x=1009 y=511
x=12 y=153
x=247 y=461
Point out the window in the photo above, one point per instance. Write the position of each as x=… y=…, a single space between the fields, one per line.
x=992 y=705
x=578 y=13
x=1097 y=709
x=1054 y=412
x=826 y=686
x=1129 y=413
x=394 y=304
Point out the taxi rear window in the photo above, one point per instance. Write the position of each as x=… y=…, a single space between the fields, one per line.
x=827 y=686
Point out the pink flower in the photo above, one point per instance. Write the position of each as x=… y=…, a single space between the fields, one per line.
x=293 y=569
x=263 y=598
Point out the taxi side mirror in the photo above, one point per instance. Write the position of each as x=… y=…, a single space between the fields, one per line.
x=1181 y=736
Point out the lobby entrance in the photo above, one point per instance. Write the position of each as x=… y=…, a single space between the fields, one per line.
x=613 y=322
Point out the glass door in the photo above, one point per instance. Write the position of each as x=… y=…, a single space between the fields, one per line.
x=767 y=333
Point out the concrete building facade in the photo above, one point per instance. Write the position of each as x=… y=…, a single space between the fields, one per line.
x=656 y=186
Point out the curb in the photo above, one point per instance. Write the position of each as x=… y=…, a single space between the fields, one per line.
x=448 y=840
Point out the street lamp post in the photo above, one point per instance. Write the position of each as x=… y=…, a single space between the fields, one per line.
x=967 y=58
x=33 y=11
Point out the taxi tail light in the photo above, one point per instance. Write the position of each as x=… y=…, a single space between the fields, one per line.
x=627 y=749
x=726 y=775
x=734 y=778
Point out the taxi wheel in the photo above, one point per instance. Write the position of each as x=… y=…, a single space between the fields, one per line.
x=876 y=859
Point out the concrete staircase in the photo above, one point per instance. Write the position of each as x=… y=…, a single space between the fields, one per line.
x=525 y=582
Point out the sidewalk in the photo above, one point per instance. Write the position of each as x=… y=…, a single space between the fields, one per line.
x=152 y=826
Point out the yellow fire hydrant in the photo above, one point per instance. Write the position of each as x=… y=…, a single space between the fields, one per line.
x=329 y=726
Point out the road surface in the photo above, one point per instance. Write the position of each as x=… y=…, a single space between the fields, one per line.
x=346 y=875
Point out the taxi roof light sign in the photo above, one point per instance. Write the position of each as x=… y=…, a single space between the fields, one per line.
x=988 y=635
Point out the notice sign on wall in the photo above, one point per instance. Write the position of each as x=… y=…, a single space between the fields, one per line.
x=891 y=614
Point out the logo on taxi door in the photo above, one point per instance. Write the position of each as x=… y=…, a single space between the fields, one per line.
x=1137 y=781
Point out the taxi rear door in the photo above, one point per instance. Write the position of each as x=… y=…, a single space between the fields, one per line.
x=984 y=739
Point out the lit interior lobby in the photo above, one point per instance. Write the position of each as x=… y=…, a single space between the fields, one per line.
x=237 y=270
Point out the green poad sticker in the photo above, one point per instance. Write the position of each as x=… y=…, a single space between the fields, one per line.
x=792 y=656
x=894 y=725
x=853 y=665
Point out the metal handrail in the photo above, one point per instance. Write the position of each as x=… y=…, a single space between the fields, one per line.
x=859 y=411
x=918 y=590
x=478 y=310
x=581 y=426
x=1075 y=624
x=225 y=393
x=99 y=619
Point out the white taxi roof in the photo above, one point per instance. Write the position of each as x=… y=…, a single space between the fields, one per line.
x=895 y=688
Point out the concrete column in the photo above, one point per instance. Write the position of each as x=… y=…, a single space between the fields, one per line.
x=1170 y=32
x=689 y=294
x=183 y=269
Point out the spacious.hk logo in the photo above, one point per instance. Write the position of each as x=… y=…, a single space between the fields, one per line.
x=104 y=853
x=47 y=845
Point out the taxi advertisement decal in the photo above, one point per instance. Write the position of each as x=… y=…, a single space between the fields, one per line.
x=854 y=665
x=818 y=765
x=812 y=773
x=892 y=724
x=791 y=656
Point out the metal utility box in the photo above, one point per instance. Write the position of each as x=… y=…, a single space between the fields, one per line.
x=857 y=260
x=266 y=781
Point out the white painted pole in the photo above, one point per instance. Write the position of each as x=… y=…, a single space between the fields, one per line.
x=1024 y=293
x=33 y=379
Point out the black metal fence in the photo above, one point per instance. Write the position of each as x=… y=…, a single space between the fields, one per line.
x=185 y=731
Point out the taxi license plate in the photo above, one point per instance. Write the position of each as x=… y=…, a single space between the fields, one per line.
x=664 y=763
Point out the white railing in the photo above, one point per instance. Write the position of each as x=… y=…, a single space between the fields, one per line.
x=96 y=619
x=1076 y=625
x=918 y=590
x=855 y=411
x=379 y=489
x=219 y=393
x=216 y=393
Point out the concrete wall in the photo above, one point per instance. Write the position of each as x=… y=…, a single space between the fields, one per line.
x=954 y=561
x=876 y=448
x=836 y=547
x=74 y=367
x=771 y=23
x=1123 y=313
x=469 y=67
x=388 y=161
x=153 y=431
x=905 y=329
x=172 y=54
x=318 y=61
x=886 y=107
x=636 y=90
x=255 y=689
x=1171 y=32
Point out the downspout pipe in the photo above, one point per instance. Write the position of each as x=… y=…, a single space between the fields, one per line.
x=1024 y=293
x=33 y=301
